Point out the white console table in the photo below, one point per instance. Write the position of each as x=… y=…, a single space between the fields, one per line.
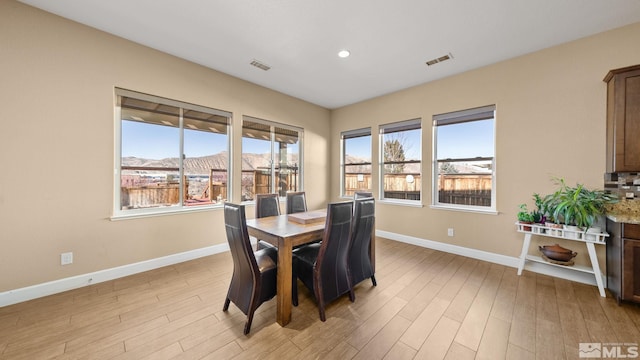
x=590 y=240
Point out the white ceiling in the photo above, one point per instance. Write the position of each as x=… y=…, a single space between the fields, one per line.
x=389 y=40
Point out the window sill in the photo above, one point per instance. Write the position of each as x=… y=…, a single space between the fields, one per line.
x=416 y=204
x=183 y=210
x=476 y=210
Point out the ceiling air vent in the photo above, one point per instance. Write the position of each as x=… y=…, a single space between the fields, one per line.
x=440 y=59
x=260 y=65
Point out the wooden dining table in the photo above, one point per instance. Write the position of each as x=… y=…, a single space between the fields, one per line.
x=285 y=233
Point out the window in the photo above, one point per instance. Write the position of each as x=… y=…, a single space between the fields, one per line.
x=170 y=155
x=400 y=161
x=464 y=160
x=356 y=161
x=271 y=158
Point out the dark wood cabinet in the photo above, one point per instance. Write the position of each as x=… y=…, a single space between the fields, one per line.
x=631 y=270
x=623 y=119
x=623 y=261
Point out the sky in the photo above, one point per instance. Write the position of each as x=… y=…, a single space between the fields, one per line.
x=454 y=141
x=158 y=142
x=149 y=141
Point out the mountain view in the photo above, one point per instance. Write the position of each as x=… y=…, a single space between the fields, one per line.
x=202 y=165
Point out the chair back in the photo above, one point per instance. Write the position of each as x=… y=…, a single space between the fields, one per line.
x=245 y=267
x=361 y=265
x=331 y=272
x=267 y=205
x=362 y=194
x=296 y=202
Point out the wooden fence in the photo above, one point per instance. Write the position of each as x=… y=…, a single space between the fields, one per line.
x=461 y=189
x=465 y=189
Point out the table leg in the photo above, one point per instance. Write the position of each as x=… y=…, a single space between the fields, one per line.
x=596 y=268
x=283 y=316
x=523 y=254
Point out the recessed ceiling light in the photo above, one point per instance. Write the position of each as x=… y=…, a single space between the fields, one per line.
x=344 y=53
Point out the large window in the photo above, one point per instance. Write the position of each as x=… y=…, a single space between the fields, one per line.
x=271 y=158
x=464 y=160
x=356 y=161
x=170 y=155
x=400 y=161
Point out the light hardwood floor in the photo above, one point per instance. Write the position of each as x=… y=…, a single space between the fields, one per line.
x=427 y=305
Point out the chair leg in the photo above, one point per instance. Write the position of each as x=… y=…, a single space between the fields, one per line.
x=247 y=326
x=294 y=292
x=226 y=304
x=352 y=295
x=373 y=280
x=323 y=318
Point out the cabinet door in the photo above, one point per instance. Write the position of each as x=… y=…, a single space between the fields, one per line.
x=631 y=270
x=614 y=259
x=623 y=121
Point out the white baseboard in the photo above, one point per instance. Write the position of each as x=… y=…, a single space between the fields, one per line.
x=53 y=287
x=510 y=261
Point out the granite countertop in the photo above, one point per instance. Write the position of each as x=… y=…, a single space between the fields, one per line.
x=625 y=211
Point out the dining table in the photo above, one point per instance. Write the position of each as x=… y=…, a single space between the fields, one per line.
x=285 y=233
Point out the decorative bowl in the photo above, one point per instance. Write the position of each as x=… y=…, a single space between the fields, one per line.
x=557 y=252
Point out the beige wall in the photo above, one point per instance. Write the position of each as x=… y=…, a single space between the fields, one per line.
x=57 y=146
x=550 y=122
x=56 y=141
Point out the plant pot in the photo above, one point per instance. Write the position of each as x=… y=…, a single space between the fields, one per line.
x=525 y=227
x=592 y=233
x=572 y=232
x=554 y=229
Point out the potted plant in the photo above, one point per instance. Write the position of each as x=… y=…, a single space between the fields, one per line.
x=538 y=213
x=548 y=205
x=578 y=206
x=525 y=217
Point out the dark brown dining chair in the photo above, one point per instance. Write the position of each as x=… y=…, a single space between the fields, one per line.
x=361 y=255
x=266 y=205
x=322 y=267
x=296 y=202
x=362 y=194
x=254 y=274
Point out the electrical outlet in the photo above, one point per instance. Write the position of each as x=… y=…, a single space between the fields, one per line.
x=66 y=258
x=450 y=231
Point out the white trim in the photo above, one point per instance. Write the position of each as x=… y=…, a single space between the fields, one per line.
x=57 y=286
x=510 y=261
x=471 y=209
x=390 y=201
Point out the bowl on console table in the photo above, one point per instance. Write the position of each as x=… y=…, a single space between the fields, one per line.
x=557 y=252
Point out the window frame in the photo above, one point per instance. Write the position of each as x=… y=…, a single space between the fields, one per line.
x=406 y=125
x=458 y=117
x=352 y=134
x=272 y=145
x=180 y=207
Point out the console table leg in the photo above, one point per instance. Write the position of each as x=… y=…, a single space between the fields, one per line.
x=525 y=251
x=596 y=267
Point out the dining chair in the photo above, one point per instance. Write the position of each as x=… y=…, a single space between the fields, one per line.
x=322 y=267
x=362 y=194
x=266 y=205
x=361 y=255
x=254 y=274
x=296 y=202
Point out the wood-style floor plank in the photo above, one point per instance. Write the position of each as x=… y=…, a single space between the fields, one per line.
x=439 y=340
x=427 y=305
